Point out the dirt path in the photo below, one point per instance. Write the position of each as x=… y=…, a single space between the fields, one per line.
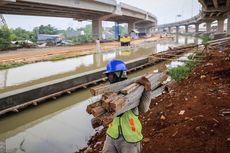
x=201 y=99
x=41 y=54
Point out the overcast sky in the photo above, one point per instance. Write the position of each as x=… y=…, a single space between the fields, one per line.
x=165 y=10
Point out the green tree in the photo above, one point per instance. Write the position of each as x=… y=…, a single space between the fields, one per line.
x=86 y=37
x=46 y=29
x=22 y=34
x=6 y=36
x=43 y=30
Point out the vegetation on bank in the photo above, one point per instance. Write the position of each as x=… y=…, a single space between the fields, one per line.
x=10 y=65
x=6 y=36
x=181 y=72
x=75 y=36
x=205 y=39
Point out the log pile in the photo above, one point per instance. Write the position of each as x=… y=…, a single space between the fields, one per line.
x=214 y=44
x=120 y=97
x=170 y=53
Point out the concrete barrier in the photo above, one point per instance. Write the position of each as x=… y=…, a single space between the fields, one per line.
x=24 y=95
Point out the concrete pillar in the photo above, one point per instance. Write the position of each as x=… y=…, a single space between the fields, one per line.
x=97 y=59
x=169 y=29
x=197 y=27
x=177 y=30
x=186 y=28
x=186 y=41
x=97 y=29
x=228 y=25
x=208 y=26
x=220 y=25
x=131 y=26
x=177 y=38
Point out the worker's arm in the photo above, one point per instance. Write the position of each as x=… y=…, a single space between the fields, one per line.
x=145 y=102
x=146 y=95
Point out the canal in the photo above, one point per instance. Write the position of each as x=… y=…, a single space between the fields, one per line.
x=63 y=125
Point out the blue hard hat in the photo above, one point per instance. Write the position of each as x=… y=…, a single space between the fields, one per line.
x=115 y=65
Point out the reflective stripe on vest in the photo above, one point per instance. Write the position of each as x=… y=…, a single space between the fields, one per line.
x=130 y=127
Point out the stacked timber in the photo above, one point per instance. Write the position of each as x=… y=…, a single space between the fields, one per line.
x=120 y=97
x=170 y=53
x=219 y=43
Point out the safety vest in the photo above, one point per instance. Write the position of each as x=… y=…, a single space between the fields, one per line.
x=130 y=127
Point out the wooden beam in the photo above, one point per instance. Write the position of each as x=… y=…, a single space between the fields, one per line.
x=97 y=111
x=215 y=3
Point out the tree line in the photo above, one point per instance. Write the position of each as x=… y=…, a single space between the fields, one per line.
x=7 y=35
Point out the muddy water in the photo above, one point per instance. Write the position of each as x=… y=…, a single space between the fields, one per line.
x=54 y=127
x=44 y=71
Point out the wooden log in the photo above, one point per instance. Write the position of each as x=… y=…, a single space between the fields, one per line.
x=117 y=104
x=218 y=40
x=98 y=90
x=154 y=79
x=132 y=101
x=92 y=106
x=105 y=104
x=96 y=122
x=97 y=111
x=129 y=88
x=108 y=95
x=106 y=119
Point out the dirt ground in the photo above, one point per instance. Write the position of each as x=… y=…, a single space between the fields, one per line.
x=189 y=118
x=42 y=54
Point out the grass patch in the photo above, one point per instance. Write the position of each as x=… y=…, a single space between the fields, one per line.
x=11 y=65
x=181 y=72
x=58 y=58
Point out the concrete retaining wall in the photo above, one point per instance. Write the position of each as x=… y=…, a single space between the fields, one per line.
x=21 y=96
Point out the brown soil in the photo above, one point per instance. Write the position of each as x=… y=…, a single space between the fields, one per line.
x=202 y=128
x=42 y=54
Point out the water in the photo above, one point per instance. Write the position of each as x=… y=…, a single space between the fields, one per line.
x=45 y=71
x=60 y=126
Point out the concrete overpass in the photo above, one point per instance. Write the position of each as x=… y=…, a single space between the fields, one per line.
x=212 y=10
x=95 y=10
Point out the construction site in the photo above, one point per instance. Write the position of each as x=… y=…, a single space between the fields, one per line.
x=123 y=82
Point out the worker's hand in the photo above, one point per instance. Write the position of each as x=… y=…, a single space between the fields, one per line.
x=145 y=82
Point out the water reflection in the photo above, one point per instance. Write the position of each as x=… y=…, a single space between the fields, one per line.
x=30 y=72
x=57 y=133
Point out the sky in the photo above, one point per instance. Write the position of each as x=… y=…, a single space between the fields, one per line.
x=166 y=11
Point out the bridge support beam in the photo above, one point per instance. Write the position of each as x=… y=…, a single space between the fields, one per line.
x=177 y=30
x=197 y=28
x=228 y=25
x=131 y=26
x=169 y=29
x=208 y=26
x=220 y=25
x=186 y=29
x=97 y=29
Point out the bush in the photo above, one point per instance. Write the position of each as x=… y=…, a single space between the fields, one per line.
x=6 y=36
x=82 y=39
x=181 y=72
x=205 y=39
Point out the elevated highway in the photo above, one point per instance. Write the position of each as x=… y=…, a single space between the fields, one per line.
x=212 y=10
x=96 y=11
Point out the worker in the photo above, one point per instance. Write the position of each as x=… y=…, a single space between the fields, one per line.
x=124 y=134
